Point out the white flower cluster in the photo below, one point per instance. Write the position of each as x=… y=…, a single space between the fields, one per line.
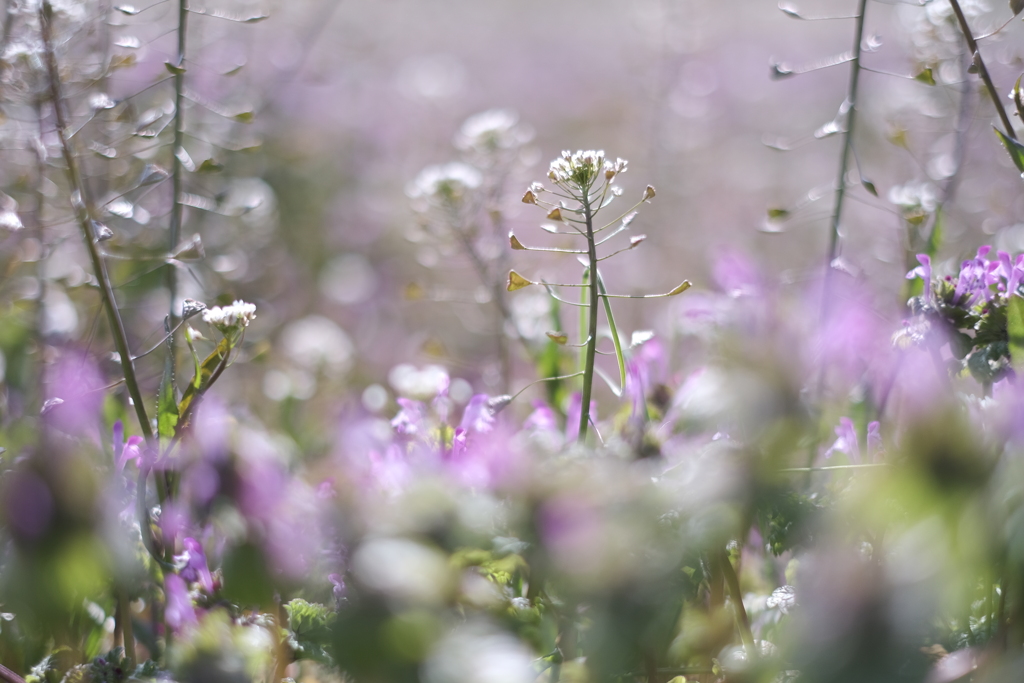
x=492 y=130
x=448 y=182
x=583 y=168
x=238 y=314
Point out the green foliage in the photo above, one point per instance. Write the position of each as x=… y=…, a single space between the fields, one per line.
x=310 y=627
x=786 y=520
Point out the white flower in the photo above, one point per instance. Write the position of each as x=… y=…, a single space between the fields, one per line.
x=492 y=130
x=580 y=169
x=446 y=182
x=239 y=314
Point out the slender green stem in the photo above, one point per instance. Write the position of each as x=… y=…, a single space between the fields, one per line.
x=81 y=204
x=742 y=621
x=124 y=614
x=972 y=45
x=614 y=332
x=174 y=232
x=591 y=354
x=851 y=119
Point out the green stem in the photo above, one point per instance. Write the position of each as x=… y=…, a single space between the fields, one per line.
x=972 y=45
x=174 y=231
x=742 y=621
x=614 y=330
x=124 y=615
x=851 y=118
x=81 y=204
x=591 y=355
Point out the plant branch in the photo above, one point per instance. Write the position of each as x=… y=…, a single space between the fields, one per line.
x=972 y=45
x=80 y=204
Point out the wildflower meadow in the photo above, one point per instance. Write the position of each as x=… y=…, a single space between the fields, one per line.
x=512 y=342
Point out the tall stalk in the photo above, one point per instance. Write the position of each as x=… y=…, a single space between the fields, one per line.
x=851 y=119
x=177 y=168
x=81 y=204
x=591 y=355
x=972 y=45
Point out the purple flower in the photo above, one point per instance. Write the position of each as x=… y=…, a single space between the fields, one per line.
x=874 y=441
x=542 y=418
x=923 y=271
x=846 y=441
x=192 y=565
x=179 y=610
x=976 y=277
x=478 y=416
x=737 y=275
x=411 y=419
x=1011 y=271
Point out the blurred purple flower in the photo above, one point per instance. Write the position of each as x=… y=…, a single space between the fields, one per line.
x=478 y=416
x=737 y=275
x=340 y=590
x=846 y=441
x=542 y=417
x=923 y=271
x=411 y=419
x=1011 y=272
x=179 y=611
x=75 y=396
x=192 y=565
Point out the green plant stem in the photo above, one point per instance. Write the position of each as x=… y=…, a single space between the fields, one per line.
x=124 y=617
x=972 y=45
x=851 y=119
x=742 y=621
x=591 y=355
x=81 y=204
x=174 y=231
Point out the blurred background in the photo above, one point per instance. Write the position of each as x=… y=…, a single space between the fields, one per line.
x=318 y=117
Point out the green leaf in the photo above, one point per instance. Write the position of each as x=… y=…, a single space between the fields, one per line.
x=1015 y=330
x=206 y=374
x=244 y=117
x=167 y=407
x=1015 y=149
x=614 y=332
x=777 y=214
x=869 y=186
x=174 y=68
x=1016 y=6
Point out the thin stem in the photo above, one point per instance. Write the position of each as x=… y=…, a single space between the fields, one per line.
x=742 y=622
x=124 y=615
x=174 y=232
x=588 y=363
x=972 y=45
x=851 y=118
x=81 y=205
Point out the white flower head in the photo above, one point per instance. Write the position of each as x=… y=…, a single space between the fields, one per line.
x=579 y=170
x=226 y=318
x=492 y=130
x=445 y=182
